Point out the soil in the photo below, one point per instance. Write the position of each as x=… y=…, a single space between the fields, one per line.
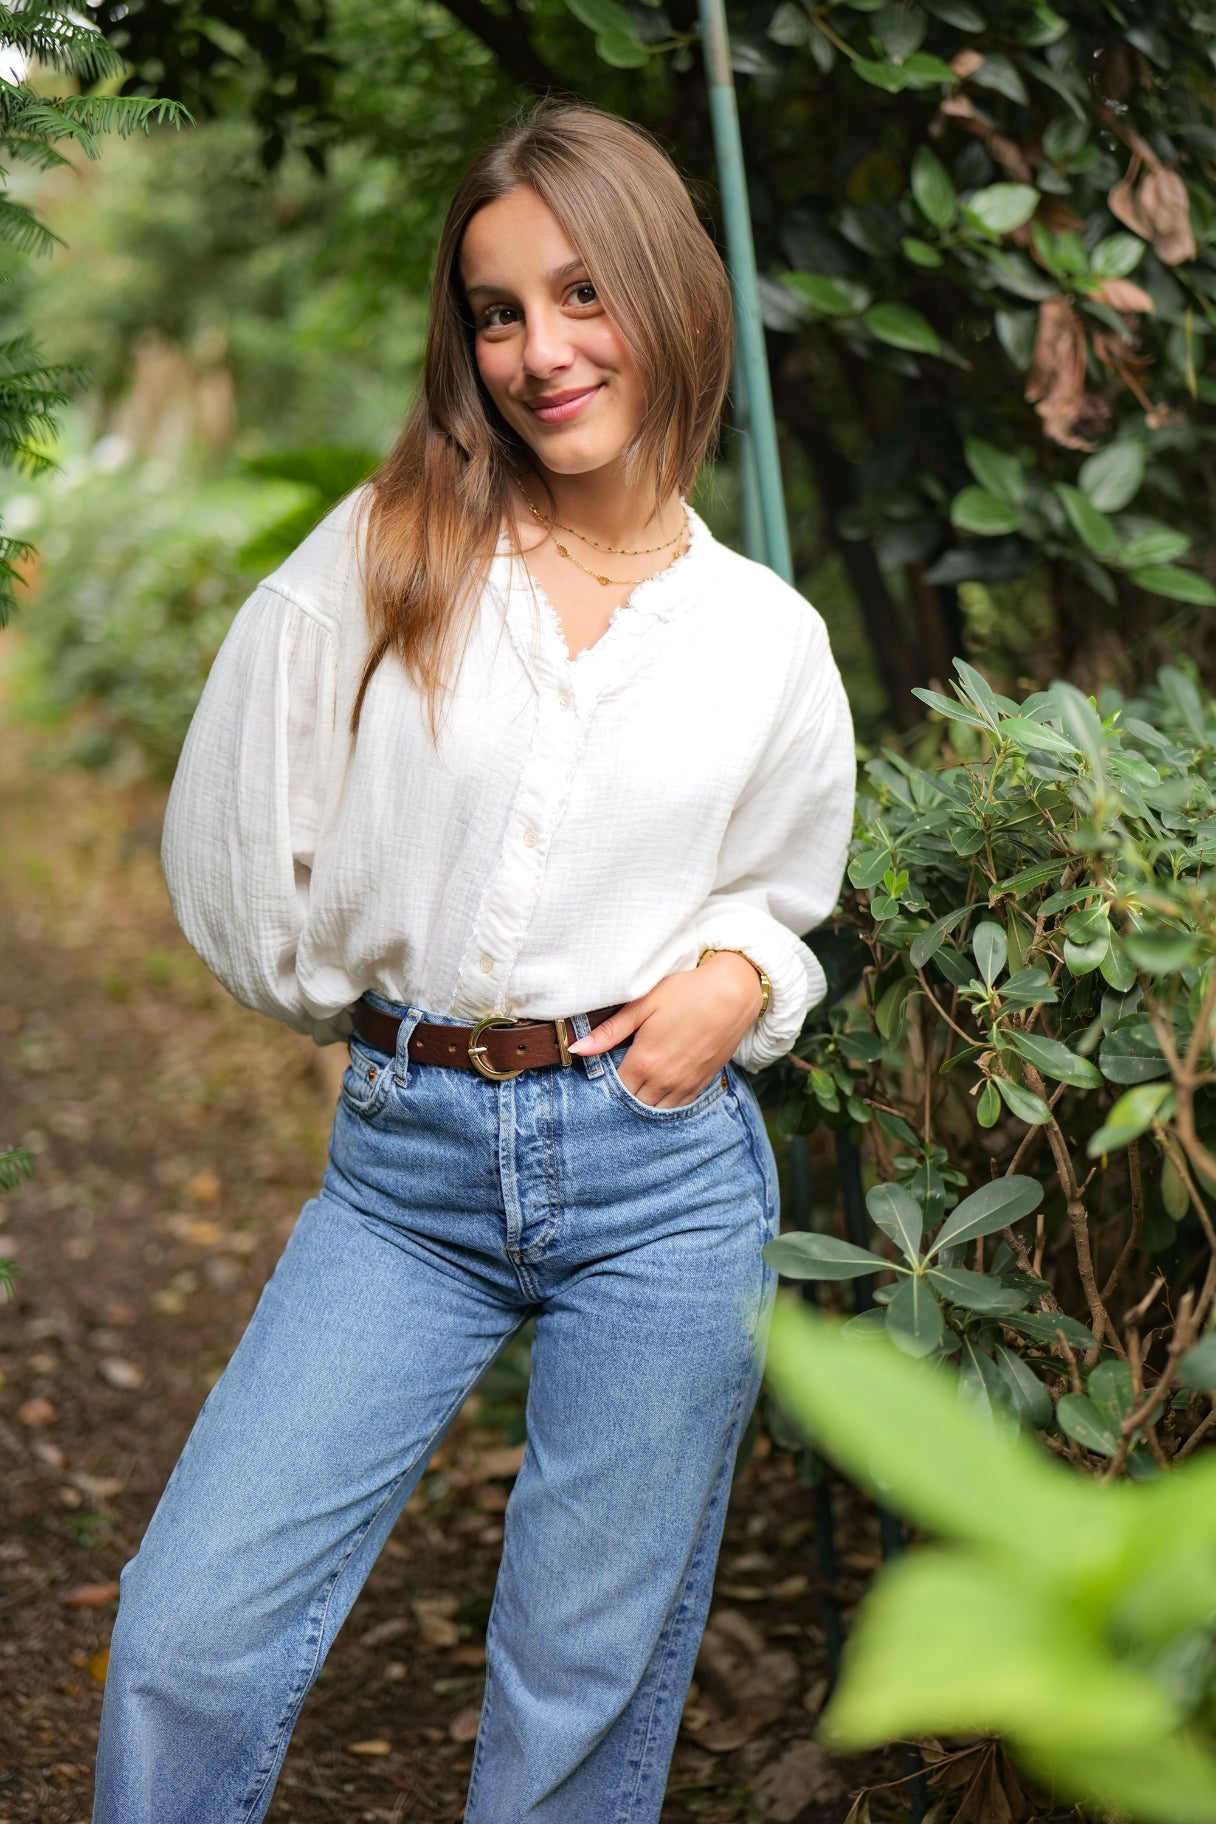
x=175 y=1137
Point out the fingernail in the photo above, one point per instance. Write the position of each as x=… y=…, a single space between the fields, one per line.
x=578 y=1047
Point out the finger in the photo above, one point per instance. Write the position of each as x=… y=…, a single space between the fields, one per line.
x=611 y=1032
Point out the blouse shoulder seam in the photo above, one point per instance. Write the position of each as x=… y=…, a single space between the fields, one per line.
x=309 y=609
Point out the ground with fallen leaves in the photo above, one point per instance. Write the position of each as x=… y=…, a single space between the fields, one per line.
x=175 y=1137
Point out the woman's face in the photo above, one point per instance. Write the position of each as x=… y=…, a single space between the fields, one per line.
x=549 y=355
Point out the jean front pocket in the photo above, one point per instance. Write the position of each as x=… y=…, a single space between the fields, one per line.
x=709 y=1096
x=366 y=1080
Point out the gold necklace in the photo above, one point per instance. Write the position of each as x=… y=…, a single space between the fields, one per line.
x=620 y=581
x=552 y=525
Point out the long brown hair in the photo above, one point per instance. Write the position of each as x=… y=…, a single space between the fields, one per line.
x=435 y=509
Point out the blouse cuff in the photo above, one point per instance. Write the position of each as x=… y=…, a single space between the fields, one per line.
x=794 y=971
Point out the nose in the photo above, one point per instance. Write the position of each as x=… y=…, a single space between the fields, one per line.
x=547 y=347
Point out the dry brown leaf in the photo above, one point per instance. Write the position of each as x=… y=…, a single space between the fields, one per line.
x=501 y=1461
x=1011 y=158
x=385 y=1631
x=1055 y=385
x=435 y=1626
x=469 y=1655
x=125 y=1375
x=1121 y=294
x=90 y=1596
x=48 y=1453
x=966 y=63
x=745 y=1681
x=464 y=1726
x=802 y=1775
x=789 y=1587
x=204 y=1187
x=36 y=1412
x=1159 y=212
x=99 y=1665
x=373 y=1748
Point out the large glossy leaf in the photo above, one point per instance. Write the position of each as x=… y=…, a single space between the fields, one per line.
x=1179 y=585
x=1028 y=1396
x=924 y=945
x=1041 y=1327
x=809 y=1256
x=977 y=1291
x=902 y=327
x=997 y=471
x=976 y=510
x=1000 y=208
x=990 y=948
x=897 y=1214
x=1083 y=1419
x=1130 y=1053
x=1088 y=521
x=932 y=188
x=1132 y=1115
x=994 y=1206
x=1054 y=1059
x=1023 y=1102
x=1198 y=1366
x=914 y=1318
x=1111 y=479
x=937 y=1465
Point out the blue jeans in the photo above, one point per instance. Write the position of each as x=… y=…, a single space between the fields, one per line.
x=452 y=1210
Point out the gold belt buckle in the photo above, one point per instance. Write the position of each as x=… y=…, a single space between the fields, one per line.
x=477 y=1052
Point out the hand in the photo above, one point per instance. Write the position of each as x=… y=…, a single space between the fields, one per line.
x=683 y=1031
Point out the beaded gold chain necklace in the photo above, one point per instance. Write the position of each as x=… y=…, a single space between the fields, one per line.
x=555 y=525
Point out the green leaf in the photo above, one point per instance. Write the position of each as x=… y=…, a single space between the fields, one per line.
x=937 y=1465
x=958 y=13
x=1178 y=585
x=914 y=1318
x=619 y=49
x=1175 y=1197
x=1114 y=257
x=897 y=1213
x=809 y=1256
x=925 y=71
x=1000 y=208
x=988 y=1108
x=921 y=253
x=999 y=74
x=1083 y=959
x=990 y=948
x=830 y=297
x=1130 y=1053
x=1081 y=1418
x=1111 y=479
x=1159 y=545
x=976 y=510
x=1022 y=1102
x=996 y=470
x=994 y=1206
x=889 y=1013
x=868 y=868
x=1088 y=522
x=1197 y=1368
x=1041 y=1327
x=926 y=943
x=602 y=16
x=932 y=188
x=1116 y=966
x=1161 y=952
x=1031 y=736
x=946 y=706
x=902 y=327
x=890 y=76
x=1132 y=1115
x=977 y=1291
x=1027 y=1394
x=1055 y=1060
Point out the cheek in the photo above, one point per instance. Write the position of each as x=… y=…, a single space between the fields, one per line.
x=495 y=366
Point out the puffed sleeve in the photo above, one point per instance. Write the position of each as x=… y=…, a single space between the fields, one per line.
x=247 y=798
x=783 y=855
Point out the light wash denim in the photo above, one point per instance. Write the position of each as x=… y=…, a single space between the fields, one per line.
x=452 y=1210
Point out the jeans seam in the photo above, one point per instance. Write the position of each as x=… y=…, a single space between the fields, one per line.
x=287 y=1721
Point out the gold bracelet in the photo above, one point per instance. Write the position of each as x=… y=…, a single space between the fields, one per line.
x=766 y=987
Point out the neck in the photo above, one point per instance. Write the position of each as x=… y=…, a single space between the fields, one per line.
x=604 y=506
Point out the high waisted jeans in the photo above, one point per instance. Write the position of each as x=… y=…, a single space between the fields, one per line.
x=452 y=1210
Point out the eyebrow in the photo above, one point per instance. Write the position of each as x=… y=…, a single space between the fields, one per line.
x=551 y=278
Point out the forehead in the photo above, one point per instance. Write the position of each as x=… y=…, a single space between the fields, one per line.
x=514 y=242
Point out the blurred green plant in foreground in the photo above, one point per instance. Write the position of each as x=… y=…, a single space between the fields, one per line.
x=1071 y=1618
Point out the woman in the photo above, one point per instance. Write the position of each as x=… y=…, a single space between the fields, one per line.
x=516 y=778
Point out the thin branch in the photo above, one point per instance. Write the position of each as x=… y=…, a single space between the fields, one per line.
x=1078 y=1219
x=1137 y=1228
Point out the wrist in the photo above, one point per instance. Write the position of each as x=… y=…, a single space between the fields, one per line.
x=736 y=966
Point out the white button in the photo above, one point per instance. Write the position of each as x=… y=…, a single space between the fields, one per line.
x=531 y=838
x=563 y=702
x=487 y=963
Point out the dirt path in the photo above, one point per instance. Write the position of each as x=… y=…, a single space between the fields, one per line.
x=175 y=1138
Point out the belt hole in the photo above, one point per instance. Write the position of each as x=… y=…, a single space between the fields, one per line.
x=451 y=1048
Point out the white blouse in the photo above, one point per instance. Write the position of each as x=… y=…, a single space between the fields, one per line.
x=580 y=829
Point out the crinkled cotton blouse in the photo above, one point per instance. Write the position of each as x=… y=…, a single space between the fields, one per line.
x=579 y=829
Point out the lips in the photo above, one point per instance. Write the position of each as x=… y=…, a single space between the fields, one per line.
x=557 y=408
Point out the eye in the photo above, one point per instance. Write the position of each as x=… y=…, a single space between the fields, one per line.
x=584 y=293
x=498 y=316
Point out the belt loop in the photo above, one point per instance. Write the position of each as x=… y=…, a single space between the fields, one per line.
x=401 y=1062
x=582 y=1026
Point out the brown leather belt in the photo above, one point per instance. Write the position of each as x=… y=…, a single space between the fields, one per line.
x=496 y=1047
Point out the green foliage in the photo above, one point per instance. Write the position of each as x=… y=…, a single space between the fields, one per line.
x=1037 y=911
x=140 y=579
x=1072 y=1619
x=34 y=130
x=15 y=1165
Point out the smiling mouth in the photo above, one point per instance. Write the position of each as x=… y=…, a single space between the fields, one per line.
x=556 y=408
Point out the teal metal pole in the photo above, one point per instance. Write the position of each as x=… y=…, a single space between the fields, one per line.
x=751 y=360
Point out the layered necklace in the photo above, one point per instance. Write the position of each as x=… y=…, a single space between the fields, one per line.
x=555 y=526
